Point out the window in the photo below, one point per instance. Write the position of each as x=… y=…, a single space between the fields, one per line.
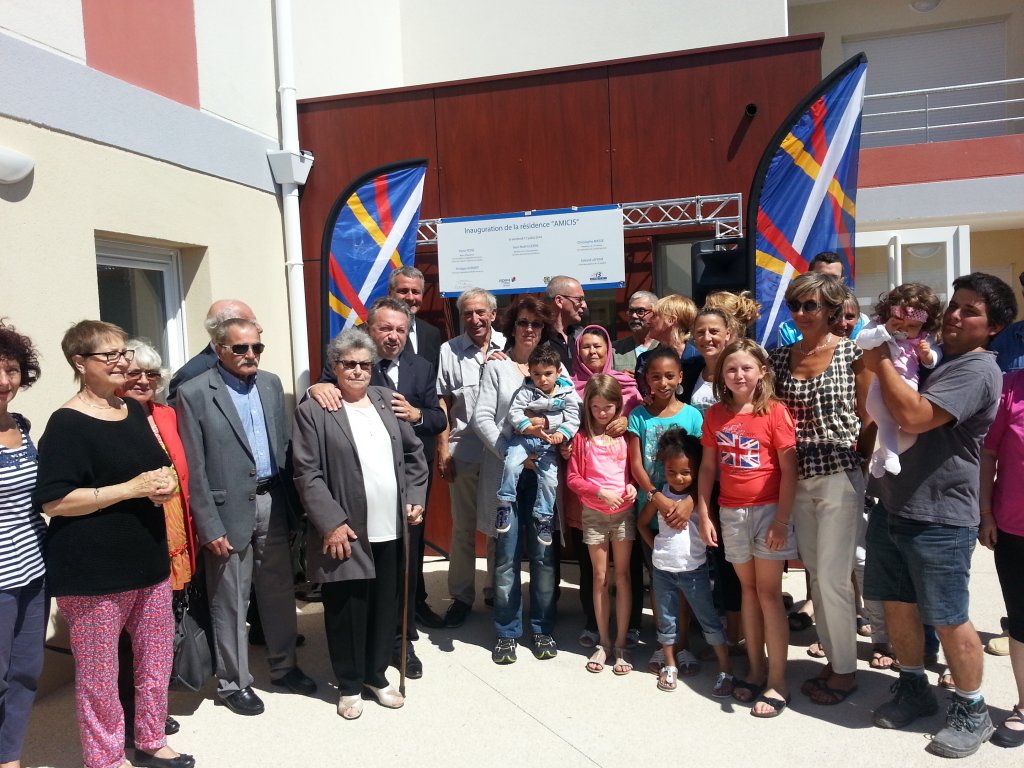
x=139 y=289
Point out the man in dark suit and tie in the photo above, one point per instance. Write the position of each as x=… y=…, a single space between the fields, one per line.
x=413 y=380
x=219 y=311
x=407 y=283
x=235 y=431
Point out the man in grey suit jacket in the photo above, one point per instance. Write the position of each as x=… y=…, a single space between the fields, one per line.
x=235 y=432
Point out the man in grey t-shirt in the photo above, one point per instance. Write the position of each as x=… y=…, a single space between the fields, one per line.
x=922 y=532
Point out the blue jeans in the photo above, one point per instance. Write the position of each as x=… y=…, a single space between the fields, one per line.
x=520 y=448
x=23 y=615
x=925 y=563
x=508 y=592
x=695 y=586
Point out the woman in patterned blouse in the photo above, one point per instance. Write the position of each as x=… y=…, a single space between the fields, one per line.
x=822 y=381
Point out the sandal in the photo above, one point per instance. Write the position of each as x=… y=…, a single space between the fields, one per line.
x=745 y=692
x=350 y=707
x=1010 y=737
x=667 y=679
x=811 y=683
x=827 y=696
x=597 y=660
x=777 y=705
x=657 y=662
x=815 y=650
x=864 y=628
x=688 y=664
x=882 y=658
x=623 y=664
x=946 y=681
x=588 y=638
x=799 y=621
x=723 y=686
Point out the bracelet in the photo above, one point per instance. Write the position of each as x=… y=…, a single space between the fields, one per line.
x=96 y=498
x=783 y=523
x=986 y=512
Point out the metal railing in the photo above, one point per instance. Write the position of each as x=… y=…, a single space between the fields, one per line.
x=914 y=116
x=725 y=212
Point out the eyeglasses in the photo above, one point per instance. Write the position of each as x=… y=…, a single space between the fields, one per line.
x=807 y=307
x=577 y=301
x=139 y=372
x=638 y=311
x=113 y=356
x=364 y=365
x=532 y=324
x=243 y=349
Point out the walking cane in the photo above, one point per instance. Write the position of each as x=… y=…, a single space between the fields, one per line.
x=405 y=604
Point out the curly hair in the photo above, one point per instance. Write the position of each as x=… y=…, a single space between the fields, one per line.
x=741 y=310
x=18 y=348
x=912 y=296
x=675 y=442
x=764 y=393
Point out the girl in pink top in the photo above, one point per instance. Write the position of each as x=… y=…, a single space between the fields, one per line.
x=599 y=475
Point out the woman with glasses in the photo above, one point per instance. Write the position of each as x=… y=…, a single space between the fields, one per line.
x=145 y=381
x=360 y=471
x=527 y=325
x=823 y=382
x=103 y=480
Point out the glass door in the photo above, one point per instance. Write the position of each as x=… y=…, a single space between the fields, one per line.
x=934 y=256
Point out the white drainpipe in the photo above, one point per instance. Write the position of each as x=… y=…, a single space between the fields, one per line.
x=291 y=167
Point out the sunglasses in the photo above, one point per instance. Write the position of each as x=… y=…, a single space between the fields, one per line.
x=112 y=357
x=807 y=307
x=139 y=372
x=242 y=349
x=364 y=365
x=532 y=324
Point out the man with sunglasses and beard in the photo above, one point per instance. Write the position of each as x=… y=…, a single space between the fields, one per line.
x=235 y=431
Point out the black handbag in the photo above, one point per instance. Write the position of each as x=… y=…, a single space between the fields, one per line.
x=193 y=639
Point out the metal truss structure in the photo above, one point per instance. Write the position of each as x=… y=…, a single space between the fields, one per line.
x=725 y=212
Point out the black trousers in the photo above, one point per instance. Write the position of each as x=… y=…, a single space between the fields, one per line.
x=1010 y=569
x=417 y=587
x=359 y=619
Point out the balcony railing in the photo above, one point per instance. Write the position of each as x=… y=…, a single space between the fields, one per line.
x=969 y=111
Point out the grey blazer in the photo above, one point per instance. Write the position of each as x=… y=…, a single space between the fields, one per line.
x=222 y=471
x=329 y=481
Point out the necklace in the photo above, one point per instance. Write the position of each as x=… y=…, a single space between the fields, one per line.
x=824 y=345
x=117 y=407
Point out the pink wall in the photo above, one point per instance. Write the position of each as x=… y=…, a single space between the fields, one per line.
x=149 y=43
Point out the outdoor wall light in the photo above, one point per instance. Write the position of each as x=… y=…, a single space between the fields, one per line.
x=925 y=6
x=14 y=166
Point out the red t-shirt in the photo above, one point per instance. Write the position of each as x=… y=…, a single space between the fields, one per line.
x=747 y=447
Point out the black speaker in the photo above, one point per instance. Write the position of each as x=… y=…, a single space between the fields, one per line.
x=720 y=265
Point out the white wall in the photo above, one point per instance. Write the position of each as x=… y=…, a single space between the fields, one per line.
x=55 y=24
x=235 y=56
x=411 y=42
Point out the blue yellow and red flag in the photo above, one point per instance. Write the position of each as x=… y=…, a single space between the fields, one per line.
x=804 y=195
x=370 y=231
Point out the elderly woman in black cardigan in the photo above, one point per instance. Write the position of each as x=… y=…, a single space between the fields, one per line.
x=358 y=470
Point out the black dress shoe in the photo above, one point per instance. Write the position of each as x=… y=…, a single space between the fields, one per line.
x=426 y=616
x=413 y=665
x=171 y=726
x=152 y=761
x=457 y=614
x=256 y=637
x=296 y=681
x=243 y=702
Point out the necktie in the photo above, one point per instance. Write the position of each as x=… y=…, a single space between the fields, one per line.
x=383 y=366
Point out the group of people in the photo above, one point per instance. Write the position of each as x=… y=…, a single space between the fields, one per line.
x=725 y=460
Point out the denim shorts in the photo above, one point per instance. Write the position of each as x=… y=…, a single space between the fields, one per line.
x=909 y=561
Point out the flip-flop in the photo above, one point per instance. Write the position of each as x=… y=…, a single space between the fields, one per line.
x=878 y=657
x=811 y=683
x=946 y=681
x=864 y=628
x=778 y=705
x=836 y=695
x=597 y=660
x=752 y=690
x=623 y=665
x=667 y=679
x=816 y=651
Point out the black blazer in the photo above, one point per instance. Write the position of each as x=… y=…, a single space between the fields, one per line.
x=197 y=366
x=428 y=338
x=417 y=381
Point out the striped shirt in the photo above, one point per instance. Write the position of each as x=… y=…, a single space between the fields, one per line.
x=22 y=529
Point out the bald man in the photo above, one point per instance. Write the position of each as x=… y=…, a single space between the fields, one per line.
x=219 y=312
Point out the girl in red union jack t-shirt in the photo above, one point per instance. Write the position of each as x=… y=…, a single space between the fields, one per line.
x=750 y=447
